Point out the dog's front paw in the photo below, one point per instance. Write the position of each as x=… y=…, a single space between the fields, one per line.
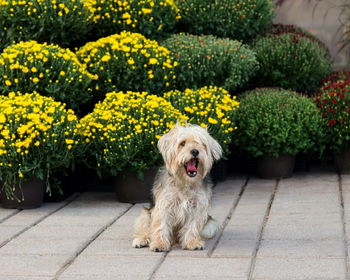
x=159 y=247
x=140 y=243
x=193 y=245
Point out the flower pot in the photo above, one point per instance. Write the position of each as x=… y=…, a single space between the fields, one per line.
x=342 y=162
x=219 y=171
x=131 y=189
x=30 y=195
x=269 y=167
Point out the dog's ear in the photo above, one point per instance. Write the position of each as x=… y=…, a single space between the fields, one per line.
x=166 y=146
x=215 y=148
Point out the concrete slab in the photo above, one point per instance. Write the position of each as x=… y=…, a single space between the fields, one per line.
x=299 y=269
x=302 y=248
x=203 y=267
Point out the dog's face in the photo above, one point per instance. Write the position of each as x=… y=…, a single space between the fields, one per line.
x=189 y=152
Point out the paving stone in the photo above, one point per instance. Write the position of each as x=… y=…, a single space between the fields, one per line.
x=235 y=248
x=5 y=213
x=299 y=207
x=345 y=182
x=119 y=267
x=299 y=269
x=115 y=248
x=308 y=218
x=25 y=278
x=31 y=266
x=210 y=267
x=301 y=248
x=21 y=246
x=60 y=232
x=7 y=232
x=245 y=232
x=322 y=231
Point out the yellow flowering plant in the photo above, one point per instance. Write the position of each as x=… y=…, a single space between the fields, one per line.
x=209 y=106
x=121 y=133
x=64 y=22
x=152 y=18
x=47 y=69
x=37 y=137
x=128 y=61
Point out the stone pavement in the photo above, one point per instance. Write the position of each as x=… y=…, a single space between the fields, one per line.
x=297 y=228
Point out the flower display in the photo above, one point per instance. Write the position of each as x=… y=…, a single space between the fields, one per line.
x=235 y=19
x=208 y=60
x=128 y=61
x=38 y=136
x=210 y=107
x=150 y=17
x=47 y=69
x=291 y=61
x=274 y=122
x=63 y=22
x=121 y=133
x=334 y=104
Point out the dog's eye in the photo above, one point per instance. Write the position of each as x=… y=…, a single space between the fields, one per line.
x=183 y=143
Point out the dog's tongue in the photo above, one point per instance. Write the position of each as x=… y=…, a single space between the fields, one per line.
x=191 y=165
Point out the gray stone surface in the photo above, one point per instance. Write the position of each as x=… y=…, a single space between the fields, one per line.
x=306 y=268
x=302 y=248
x=300 y=237
x=203 y=267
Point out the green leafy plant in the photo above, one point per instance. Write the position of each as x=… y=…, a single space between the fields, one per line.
x=236 y=19
x=37 y=138
x=279 y=29
x=63 y=22
x=334 y=104
x=152 y=18
x=291 y=61
x=128 y=61
x=210 y=107
x=275 y=121
x=121 y=133
x=47 y=69
x=207 y=60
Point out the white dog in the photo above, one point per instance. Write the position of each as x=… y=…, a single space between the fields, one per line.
x=181 y=192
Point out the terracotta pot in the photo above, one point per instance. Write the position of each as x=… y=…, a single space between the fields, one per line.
x=342 y=162
x=130 y=189
x=269 y=167
x=30 y=195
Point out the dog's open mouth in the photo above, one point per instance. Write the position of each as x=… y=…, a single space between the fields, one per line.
x=191 y=167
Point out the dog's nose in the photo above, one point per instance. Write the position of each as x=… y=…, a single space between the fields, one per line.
x=195 y=152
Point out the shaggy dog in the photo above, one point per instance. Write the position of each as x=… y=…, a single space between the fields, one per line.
x=181 y=192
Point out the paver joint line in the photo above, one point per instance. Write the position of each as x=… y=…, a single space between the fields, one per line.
x=346 y=250
x=228 y=218
x=266 y=217
x=68 y=201
x=88 y=242
x=9 y=216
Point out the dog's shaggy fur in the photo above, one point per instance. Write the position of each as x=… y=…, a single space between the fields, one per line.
x=181 y=192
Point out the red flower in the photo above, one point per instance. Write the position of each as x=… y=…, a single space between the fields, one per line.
x=331 y=122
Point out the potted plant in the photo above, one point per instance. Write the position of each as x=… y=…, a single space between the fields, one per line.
x=211 y=107
x=334 y=104
x=121 y=139
x=276 y=124
x=37 y=138
x=48 y=69
x=128 y=61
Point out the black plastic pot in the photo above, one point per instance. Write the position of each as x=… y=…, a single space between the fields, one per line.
x=130 y=189
x=342 y=162
x=219 y=171
x=269 y=167
x=30 y=195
